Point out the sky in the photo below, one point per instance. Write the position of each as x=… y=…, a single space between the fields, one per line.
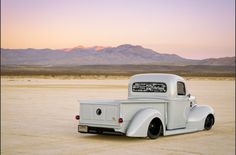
x=194 y=29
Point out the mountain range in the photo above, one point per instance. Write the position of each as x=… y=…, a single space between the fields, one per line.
x=97 y=55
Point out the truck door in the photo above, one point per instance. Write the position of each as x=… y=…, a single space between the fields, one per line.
x=178 y=108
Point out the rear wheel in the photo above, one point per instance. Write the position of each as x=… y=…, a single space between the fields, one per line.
x=209 y=122
x=154 y=128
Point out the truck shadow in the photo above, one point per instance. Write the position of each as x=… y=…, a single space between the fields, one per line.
x=111 y=137
x=123 y=138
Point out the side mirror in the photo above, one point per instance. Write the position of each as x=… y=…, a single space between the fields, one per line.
x=189 y=95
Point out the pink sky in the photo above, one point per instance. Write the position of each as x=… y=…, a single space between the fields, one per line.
x=190 y=28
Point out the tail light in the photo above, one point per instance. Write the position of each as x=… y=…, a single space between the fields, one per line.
x=77 y=117
x=120 y=120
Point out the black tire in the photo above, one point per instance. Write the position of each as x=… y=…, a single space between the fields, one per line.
x=154 y=128
x=209 y=122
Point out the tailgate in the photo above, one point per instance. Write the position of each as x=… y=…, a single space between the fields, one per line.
x=100 y=113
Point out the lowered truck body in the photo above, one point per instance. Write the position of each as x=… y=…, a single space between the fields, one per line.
x=157 y=104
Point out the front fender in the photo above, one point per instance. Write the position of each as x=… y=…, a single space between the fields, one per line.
x=139 y=124
x=198 y=115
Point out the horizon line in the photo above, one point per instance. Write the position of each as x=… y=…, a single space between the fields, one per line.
x=68 y=49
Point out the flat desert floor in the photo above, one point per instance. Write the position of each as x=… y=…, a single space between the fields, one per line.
x=37 y=117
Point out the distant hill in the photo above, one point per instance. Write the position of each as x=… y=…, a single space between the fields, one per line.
x=98 y=55
x=228 y=61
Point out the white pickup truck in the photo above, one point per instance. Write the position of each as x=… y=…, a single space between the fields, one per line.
x=157 y=104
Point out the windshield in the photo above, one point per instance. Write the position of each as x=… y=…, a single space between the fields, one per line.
x=157 y=87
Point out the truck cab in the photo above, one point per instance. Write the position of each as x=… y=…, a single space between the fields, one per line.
x=157 y=104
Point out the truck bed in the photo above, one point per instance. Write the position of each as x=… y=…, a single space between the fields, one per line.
x=112 y=110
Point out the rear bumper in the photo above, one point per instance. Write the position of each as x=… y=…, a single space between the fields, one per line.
x=101 y=130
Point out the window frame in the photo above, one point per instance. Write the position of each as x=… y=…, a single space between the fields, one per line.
x=178 y=89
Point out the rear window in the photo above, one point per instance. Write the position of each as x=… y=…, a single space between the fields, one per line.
x=157 y=87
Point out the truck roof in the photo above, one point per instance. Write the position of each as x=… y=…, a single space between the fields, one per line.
x=156 y=77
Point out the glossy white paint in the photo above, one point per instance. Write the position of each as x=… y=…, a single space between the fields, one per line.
x=139 y=124
x=178 y=113
x=197 y=116
x=108 y=117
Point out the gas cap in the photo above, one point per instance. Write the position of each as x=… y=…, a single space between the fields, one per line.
x=98 y=111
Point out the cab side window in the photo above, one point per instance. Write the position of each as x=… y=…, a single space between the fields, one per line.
x=181 y=88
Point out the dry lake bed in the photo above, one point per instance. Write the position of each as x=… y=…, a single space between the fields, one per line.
x=37 y=117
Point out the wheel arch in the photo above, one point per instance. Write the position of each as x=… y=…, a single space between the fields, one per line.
x=139 y=124
x=198 y=115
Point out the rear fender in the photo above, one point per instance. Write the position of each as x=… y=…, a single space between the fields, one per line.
x=197 y=116
x=139 y=124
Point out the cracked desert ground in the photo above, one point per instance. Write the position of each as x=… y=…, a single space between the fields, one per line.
x=37 y=118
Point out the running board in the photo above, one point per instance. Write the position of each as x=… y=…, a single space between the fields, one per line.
x=179 y=131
